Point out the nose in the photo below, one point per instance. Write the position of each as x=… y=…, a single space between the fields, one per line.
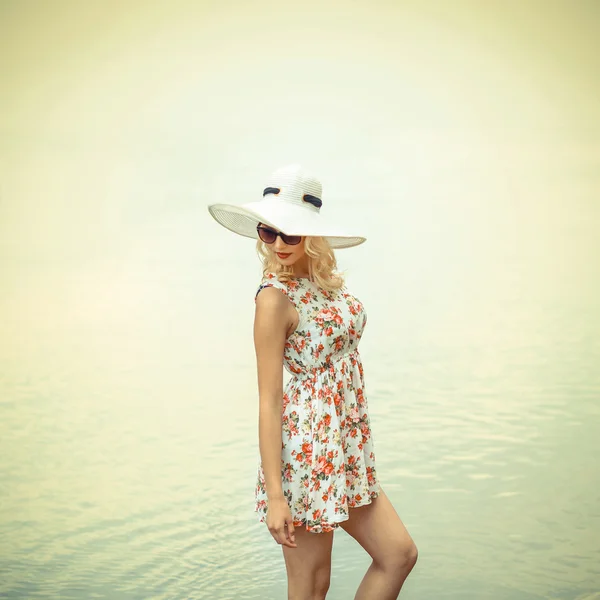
x=280 y=245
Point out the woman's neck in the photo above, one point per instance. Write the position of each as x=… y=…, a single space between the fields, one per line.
x=301 y=275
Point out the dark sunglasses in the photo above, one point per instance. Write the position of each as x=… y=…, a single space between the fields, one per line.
x=268 y=236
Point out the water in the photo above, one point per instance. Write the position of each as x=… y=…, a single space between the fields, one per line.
x=464 y=141
x=129 y=436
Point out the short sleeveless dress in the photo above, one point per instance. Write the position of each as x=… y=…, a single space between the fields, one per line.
x=327 y=457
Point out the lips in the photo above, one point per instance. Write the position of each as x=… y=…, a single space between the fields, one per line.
x=282 y=255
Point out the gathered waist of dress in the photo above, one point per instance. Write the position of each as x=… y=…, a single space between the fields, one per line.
x=326 y=365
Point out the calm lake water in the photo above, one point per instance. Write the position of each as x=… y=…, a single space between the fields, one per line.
x=129 y=417
x=462 y=138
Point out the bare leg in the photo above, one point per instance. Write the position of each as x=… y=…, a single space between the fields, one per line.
x=379 y=530
x=309 y=565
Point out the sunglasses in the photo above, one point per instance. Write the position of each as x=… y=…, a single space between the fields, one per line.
x=268 y=236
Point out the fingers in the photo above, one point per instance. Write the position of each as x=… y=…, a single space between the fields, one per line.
x=283 y=536
x=278 y=534
x=291 y=532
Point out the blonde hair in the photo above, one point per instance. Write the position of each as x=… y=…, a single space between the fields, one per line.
x=322 y=264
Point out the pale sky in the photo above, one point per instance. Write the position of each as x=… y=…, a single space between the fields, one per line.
x=116 y=115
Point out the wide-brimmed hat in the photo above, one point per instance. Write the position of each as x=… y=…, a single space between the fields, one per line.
x=292 y=204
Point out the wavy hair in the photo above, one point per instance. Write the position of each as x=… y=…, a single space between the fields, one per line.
x=322 y=264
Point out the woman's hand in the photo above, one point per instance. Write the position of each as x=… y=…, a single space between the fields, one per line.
x=280 y=522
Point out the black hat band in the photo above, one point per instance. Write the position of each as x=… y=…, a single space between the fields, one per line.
x=307 y=197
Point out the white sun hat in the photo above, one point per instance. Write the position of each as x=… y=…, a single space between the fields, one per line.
x=292 y=204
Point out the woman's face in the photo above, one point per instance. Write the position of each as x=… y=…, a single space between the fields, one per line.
x=288 y=255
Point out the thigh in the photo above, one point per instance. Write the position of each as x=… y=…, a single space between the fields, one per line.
x=312 y=555
x=379 y=530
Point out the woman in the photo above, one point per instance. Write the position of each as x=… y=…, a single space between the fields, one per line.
x=317 y=471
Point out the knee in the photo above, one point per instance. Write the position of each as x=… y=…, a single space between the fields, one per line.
x=314 y=585
x=411 y=555
x=321 y=586
x=401 y=557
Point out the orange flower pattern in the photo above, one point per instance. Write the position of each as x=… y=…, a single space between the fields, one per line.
x=327 y=459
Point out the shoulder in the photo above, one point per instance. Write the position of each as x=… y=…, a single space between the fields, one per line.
x=271 y=308
x=270 y=281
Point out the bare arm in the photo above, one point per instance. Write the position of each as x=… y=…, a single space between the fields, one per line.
x=271 y=322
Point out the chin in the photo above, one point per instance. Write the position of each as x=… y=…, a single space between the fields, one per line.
x=287 y=262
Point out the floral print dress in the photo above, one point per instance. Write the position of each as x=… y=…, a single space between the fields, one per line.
x=327 y=458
